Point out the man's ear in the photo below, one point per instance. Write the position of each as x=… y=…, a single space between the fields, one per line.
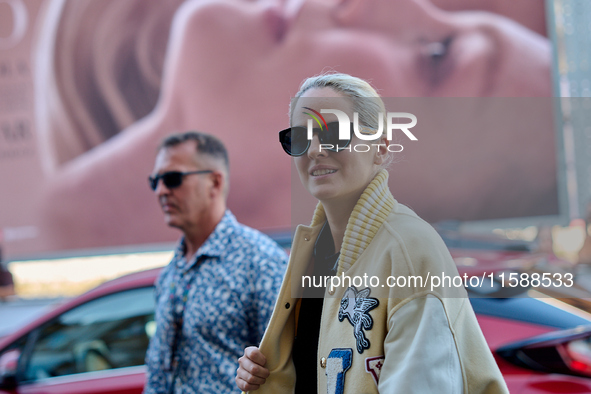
x=218 y=178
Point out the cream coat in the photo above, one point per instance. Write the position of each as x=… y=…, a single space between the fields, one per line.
x=419 y=340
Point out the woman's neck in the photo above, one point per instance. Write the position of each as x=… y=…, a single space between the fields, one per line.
x=337 y=215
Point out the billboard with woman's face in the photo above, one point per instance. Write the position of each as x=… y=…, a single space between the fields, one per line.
x=106 y=80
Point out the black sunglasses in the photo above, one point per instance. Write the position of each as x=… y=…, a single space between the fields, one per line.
x=295 y=142
x=172 y=179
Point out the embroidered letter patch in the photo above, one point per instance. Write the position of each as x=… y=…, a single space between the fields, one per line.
x=337 y=364
x=373 y=366
x=355 y=306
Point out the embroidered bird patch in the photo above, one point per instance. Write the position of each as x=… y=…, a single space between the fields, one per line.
x=355 y=306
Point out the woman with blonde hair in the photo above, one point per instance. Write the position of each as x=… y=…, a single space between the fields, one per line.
x=374 y=337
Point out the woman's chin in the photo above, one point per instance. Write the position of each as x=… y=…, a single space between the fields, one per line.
x=323 y=192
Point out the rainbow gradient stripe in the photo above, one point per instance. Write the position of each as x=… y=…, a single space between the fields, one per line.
x=316 y=116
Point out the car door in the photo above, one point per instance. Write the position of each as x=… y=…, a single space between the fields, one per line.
x=97 y=347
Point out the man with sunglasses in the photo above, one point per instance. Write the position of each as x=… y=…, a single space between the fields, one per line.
x=217 y=294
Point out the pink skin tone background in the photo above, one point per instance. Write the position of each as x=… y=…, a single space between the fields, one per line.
x=231 y=69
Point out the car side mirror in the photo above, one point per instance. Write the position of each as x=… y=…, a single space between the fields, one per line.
x=8 y=369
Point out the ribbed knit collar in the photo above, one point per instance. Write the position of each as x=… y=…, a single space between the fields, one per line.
x=371 y=210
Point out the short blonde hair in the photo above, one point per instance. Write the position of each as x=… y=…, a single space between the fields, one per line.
x=366 y=100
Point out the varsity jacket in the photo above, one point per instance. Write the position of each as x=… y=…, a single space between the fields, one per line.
x=395 y=336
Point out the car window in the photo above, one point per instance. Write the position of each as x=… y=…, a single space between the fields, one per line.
x=105 y=333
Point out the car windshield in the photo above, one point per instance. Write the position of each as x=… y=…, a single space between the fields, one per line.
x=105 y=333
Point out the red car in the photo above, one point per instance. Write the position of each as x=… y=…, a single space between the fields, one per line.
x=96 y=343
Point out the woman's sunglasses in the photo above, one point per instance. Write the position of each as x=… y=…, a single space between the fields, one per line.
x=172 y=179
x=295 y=140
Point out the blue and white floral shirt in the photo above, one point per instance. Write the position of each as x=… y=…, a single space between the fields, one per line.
x=210 y=308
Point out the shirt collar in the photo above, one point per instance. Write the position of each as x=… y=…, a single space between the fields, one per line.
x=215 y=244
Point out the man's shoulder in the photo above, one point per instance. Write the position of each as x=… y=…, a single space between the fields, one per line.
x=255 y=240
x=243 y=243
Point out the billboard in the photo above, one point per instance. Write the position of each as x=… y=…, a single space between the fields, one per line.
x=93 y=86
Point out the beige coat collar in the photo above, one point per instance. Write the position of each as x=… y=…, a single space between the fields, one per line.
x=372 y=209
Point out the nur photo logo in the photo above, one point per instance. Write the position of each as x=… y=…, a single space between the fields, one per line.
x=337 y=135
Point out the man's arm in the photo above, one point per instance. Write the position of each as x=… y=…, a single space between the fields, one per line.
x=267 y=283
x=156 y=376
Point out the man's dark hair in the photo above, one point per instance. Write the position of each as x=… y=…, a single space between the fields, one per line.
x=206 y=144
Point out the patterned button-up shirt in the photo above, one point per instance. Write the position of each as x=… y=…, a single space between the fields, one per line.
x=211 y=307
